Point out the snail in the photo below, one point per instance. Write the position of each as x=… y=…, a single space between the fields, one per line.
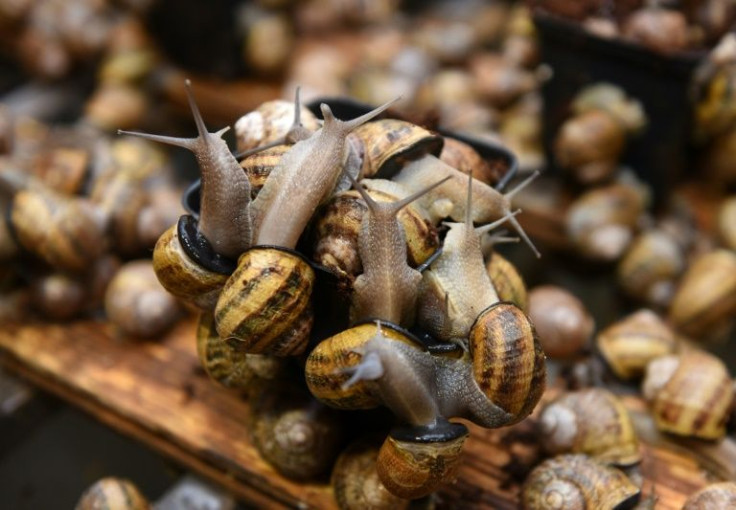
x=629 y=344
x=659 y=29
x=297 y=435
x=577 y=481
x=112 y=494
x=727 y=223
x=562 y=321
x=506 y=279
x=705 y=300
x=230 y=367
x=715 y=495
x=192 y=258
x=356 y=482
x=592 y=421
x=690 y=394
x=265 y=303
x=137 y=304
x=591 y=142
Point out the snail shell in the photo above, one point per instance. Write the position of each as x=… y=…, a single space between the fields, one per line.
x=296 y=434
x=507 y=281
x=258 y=166
x=713 y=496
x=659 y=29
x=690 y=394
x=631 y=343
x=228 y=366
x=727 y=223
x=592 y=421
x=562 y=321
x=706 y=297
x=112 y=494
x=270 y=122
x=577 y=482
x=137 y=304
x=411 y=464
x=462 y=156
x=265 y=305
x=356 y=483
x=650 y=267
x=184 y=277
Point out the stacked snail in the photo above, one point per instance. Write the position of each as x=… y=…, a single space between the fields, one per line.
x=426 y=332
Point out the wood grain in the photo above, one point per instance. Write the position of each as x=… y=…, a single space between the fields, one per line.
x=156 y=393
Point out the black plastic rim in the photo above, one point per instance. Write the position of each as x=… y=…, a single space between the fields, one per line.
x=442 y=432
x=199 y=249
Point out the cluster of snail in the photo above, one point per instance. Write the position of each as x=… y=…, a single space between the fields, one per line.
x=469 y=353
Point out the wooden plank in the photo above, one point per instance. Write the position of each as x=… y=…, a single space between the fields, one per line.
x=156 y=393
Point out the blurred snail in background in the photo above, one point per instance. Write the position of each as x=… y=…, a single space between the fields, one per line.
x=660 y=29
x=726 y=223
x=577 y=481
x=563 y=323
x=690 y=394
x=629 y=344
x=592 y=421
x=590 y=144
x=112 y=494
x=715 y=495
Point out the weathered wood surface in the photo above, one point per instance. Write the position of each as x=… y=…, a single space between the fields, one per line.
x=155 y=393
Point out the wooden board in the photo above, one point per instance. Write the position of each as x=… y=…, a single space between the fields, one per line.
x=155 y=393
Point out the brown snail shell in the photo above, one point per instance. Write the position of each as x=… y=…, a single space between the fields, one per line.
x=462 y=156
x=563 y=323
x=112 y=494
x=183 y=277
x=388 y=143
x=137 y=304
x=590 y=145
x=231 y=367
x=650 y=267
x=412 y=465
x=601 y=222
x=337 y=226
x=713 y=496
x=706 y=297
x=270 y=122
x=258 y=166
x=576 y=482
x=690 y=394
x=507 y=281
x=356 y=483
x=63 y=169
x=727 y=223
x=59 y=296
x=265 y=305
x=631 y=343
x=297 y=435
x=592 y=421
x=662 y=30
x=508 y=361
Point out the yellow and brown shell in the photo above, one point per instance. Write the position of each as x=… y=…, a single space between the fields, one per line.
x=506 y=280
x=112 y=494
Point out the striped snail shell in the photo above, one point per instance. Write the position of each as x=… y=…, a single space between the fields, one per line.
x=229 y=366
x=356 y=483
x=414 y=462
x=462 y=156
x=507 y=281
x=690 y=394
x=112 y=494
x=592 y=421
x=705 y=300
x=630 y=344
x=713 y=496
x=265 y=306
x=258 y=166
x=297 y=435
x=577 y=481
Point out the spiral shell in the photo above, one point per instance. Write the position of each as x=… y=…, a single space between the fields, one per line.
x=296 y=434
x=327 y=366
x=713 y=496
x=508 y=362
x=184 y=277
x=230 y=367
x=577 y=482
x=462 y=156
x=270 y=122
x=388 y=143
x=650 y=267
x=690 y=394
x=356 y=483
x=706 y=297
x=337 y=226
x=112 y=494
x=727 y=223
x=258 y=166
x=414 y=465
x=506 y=280
x=631 y=343
x=592 y=421
x=266 y=303
x=562 y=321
